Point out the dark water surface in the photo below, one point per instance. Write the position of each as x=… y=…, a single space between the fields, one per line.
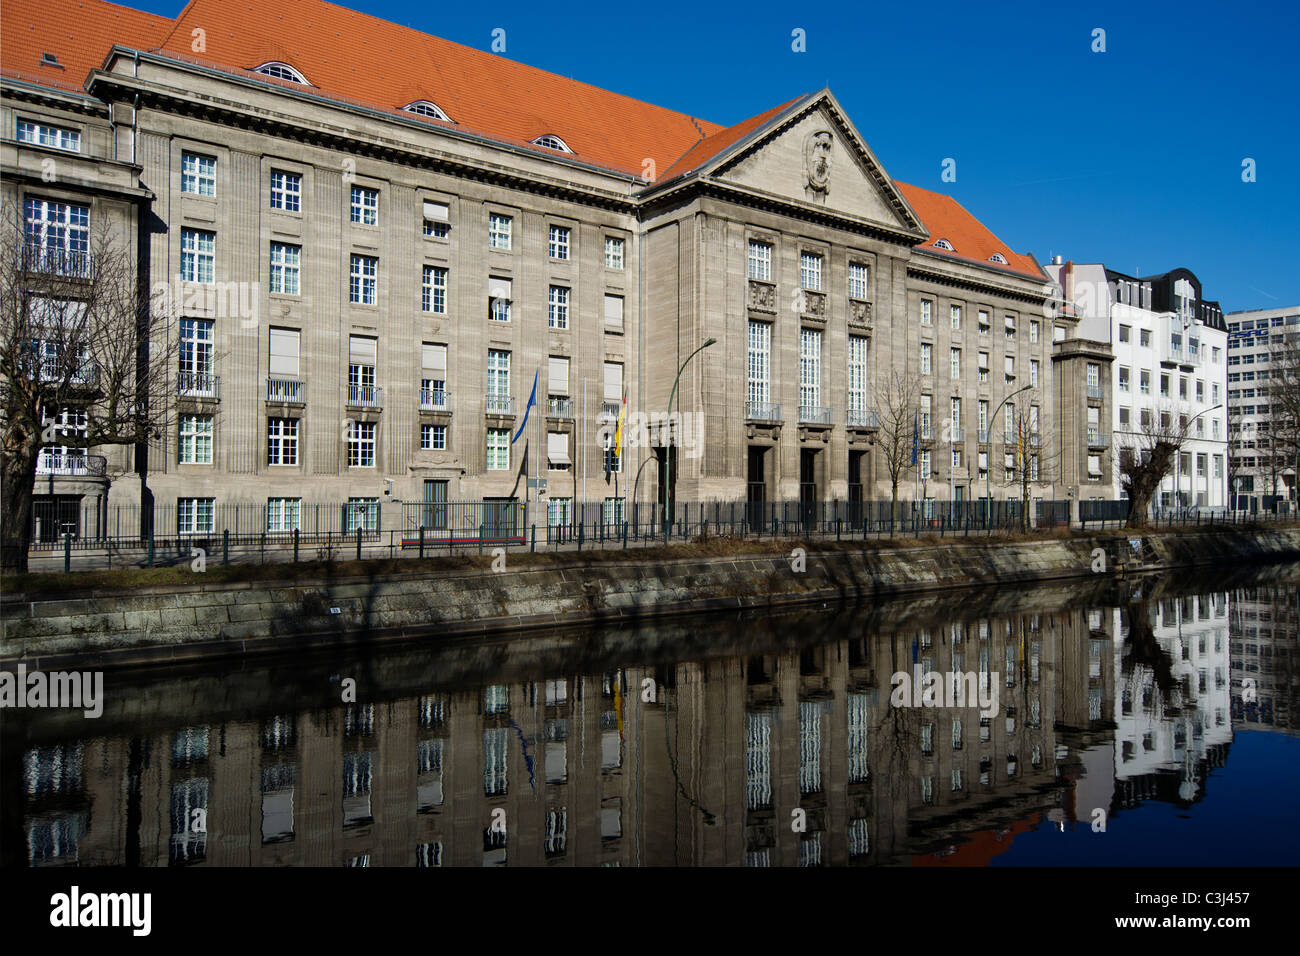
x=1125 y=732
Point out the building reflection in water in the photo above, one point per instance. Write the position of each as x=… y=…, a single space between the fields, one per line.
x=700 y=762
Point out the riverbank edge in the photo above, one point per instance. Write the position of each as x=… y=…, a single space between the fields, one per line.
x=163 y=625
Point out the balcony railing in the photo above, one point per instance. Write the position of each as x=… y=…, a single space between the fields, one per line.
x=763 y=411
x=1097 y=439
x=435 y=399
x=290 y=390
x=609 y=410
x=1094 y=391
x=926 y=432
x=54 y=370
x=559 y=407
x=814 y=415
x=365 y=396
x=500 y=404
x=958 y=434
x=983 y=436
x=1036 y=439
x=197 y=385
x=861 y=418
x=88 y=466
x=60 y=262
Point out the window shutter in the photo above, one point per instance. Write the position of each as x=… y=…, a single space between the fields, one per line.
x=363 y=350
x=435 y=359
x=557 y=448
x=436 y=211
x=613 y=382
x=614 y=310
x=558 y=378
x=284 y=352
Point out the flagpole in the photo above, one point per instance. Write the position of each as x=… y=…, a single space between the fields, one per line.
x=585 y=430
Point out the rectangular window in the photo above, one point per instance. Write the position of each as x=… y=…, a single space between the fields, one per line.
x=557 y=314
x=857 y=396
x=558 y=511
x=1094 y=466
x=810 y=368
x=195 y=354
x=198 y=174
x=927 y=307
x=498 y=449
x=760 y=261
x=984 y=367
x=196 y=439
x=498 y=369
x=286 y=191
x=612 y=513
x=361 y=513
x=614 y=311
x=433 y=437
x=927 y=353
x=558 y=376
x=810 y=271
x=558 y=242
x=859 y=280
x=954 y=316
x=1033 y=330
x=434 y=290
x=1144 y=382
x=363 y=356
x=613 y=252
x=1144 y=338
x=286 y=268
x=984 y=322
x=1010 y=367
x=57 y=237
x=759 y=366
x=363 y=280
x=557 y=451
x=1123 y=379
x=365 y=206
x=361 y=445
x=1125 y=333
x=954 y=362
x=499 y=231
x=283 y=514
x=195 y=515
x=1033 y=372
x=500 y=292
x=42 y=134
x=198 y=255
x=437 y=216
x=282 y=441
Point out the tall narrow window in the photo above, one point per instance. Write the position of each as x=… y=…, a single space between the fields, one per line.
x=810 y=370
x=363 y=355
x=758 y=392
x=557 y=316
x=365 y=206
x=195 y=372
x=498 y=231
x=613 y=252
x=810 y=271
x=857 y=394
x=434 y=291
x=286 y=191
x=198 y=255
x=558 y=242
x=859 y=280
x=760 y=261
x=198 y=174
x=363 y=280
x=286 y=268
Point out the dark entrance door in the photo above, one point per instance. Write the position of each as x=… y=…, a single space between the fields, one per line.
x=856 y=508
x=756 y=488
x=807 y=487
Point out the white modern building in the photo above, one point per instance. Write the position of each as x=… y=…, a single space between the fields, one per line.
x=1170 y=350
x=1257 y=469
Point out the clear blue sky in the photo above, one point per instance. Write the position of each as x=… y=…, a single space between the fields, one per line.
x=1131 y=157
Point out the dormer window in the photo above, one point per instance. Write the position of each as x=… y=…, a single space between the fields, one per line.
x=281 y=71
x=426 y=108
x=49 y=59
x=943 y=244
x=999 y=258
x=551 y=141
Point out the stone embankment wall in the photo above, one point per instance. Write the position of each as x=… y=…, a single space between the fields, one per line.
x=184 y=623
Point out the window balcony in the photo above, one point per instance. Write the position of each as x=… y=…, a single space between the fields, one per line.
x=926 y=432
x=51 y=369
x=1094 y=391
x=500 y=404
x=73 y=263
x=1036 y=439
x=435 y=400
x=983 y=435
x=861 y=418
x=290 y=391
x=609 y=411
x=365 y=396
x=958 y=434
x=198 y=385
x=559 y=407
x=75 y=466
x=1097 y=438
x=814 y=415
x=763 y=411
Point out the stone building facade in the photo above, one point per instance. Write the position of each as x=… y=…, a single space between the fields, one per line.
x=367 y=276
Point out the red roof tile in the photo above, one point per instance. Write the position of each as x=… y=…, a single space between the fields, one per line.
x=78 y=32
x=711 y=146
x=945 y=218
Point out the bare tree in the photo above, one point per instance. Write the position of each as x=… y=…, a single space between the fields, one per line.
x=78 y=335
x=1035 y=459
x=1147 y=457
x=898 y=405
x=1283 y=394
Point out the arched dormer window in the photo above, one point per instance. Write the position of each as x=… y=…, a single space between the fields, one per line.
x=999 y=258
x=281 y=71
x=943 y=244
x=427 y=108
x=551 y=141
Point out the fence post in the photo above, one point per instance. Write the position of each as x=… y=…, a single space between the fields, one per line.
x=582 y=529
x=480 y=537
x=358 y=542
x=151 y=548
x=421 y=542
x=624 y=535
x=67 y=552
x=225 y=547
x=295 y=545
x=264 y=547
x=533 y=546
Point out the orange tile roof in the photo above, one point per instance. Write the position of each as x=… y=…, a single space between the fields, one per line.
x=711 y=146
x=79 y=32
x=945 y=218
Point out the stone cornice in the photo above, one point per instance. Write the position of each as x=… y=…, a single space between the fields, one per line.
x=929 y=272
x=20 y=89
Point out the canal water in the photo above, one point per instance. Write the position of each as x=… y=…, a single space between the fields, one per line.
x=1145 y=722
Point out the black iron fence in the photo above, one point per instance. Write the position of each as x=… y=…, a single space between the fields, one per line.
x=285 y=530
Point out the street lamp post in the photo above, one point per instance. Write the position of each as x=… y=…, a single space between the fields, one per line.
x=668 y=449
x=988 y=473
